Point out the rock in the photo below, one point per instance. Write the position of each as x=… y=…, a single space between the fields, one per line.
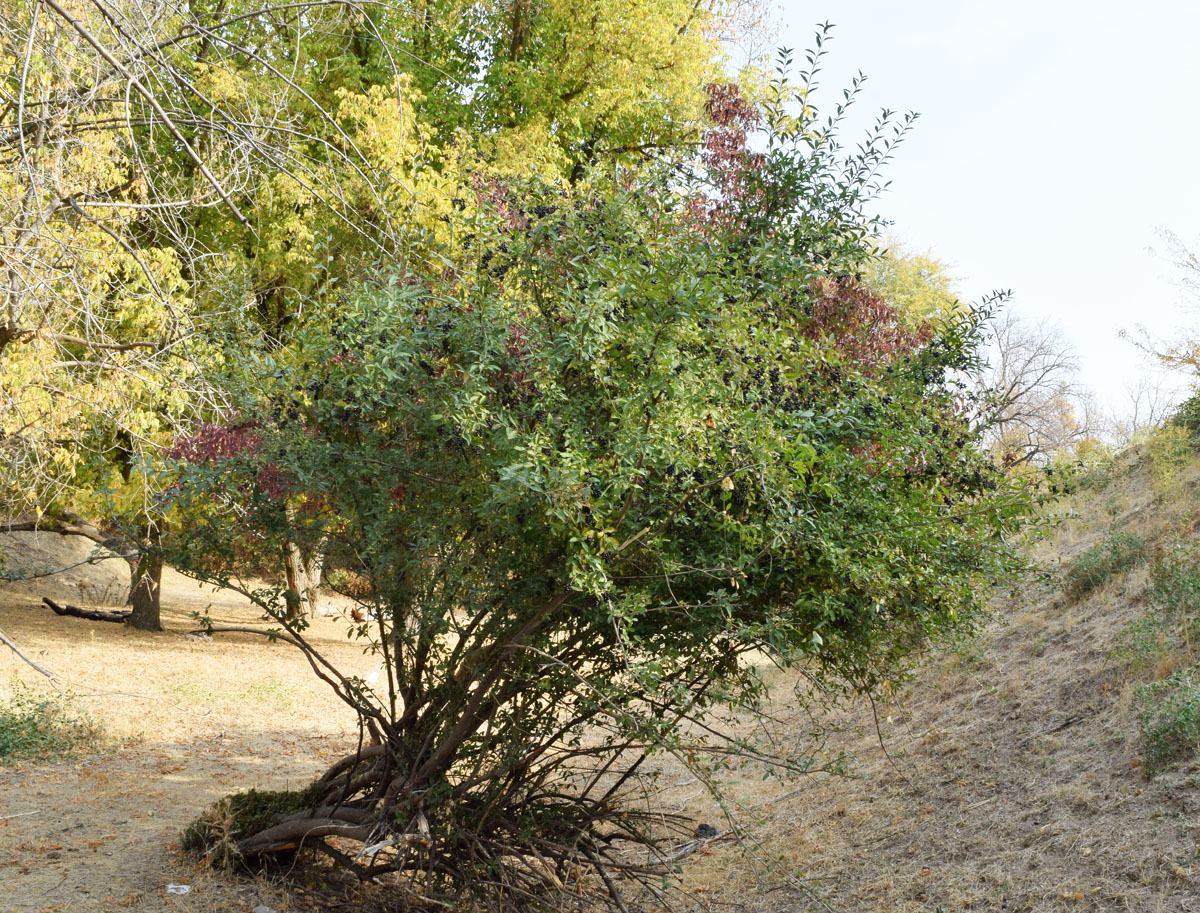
x=58 y=567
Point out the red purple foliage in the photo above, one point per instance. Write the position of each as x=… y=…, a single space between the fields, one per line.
x=728 y=160
x=216 y=442
x=861 y=324
x=213 y=443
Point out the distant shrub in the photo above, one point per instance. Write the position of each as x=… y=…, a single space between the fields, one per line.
x=1169 y=717
x=1089 y=468
x=1172 y=623
x=1170 y=448
x=1175 y=583
x=349 y=583
x=1116 y=553
x=44 y=725
x=1187 y=415
x=1143 y=643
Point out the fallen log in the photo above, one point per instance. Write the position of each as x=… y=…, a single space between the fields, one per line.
x=89 y=614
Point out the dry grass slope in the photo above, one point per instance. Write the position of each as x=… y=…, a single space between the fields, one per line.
x=1018 y=782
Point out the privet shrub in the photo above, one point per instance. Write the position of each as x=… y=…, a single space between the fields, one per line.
x=629 y=440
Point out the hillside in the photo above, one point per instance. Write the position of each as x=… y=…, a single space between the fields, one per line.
x=1017 y=779
x=1014 y=778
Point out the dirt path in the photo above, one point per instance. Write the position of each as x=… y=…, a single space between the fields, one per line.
x=101 y=834
x=188 y=720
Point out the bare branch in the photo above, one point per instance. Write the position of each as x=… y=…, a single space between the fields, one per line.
x=1036 y=406
x=8 y=643
x=153 y=102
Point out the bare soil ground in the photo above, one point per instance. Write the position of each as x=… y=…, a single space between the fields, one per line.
x=190 y=720
x=1011 y=780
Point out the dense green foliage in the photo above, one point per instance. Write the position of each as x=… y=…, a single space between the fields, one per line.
x=497 y=311
x=1188 y=414
x=177 y=174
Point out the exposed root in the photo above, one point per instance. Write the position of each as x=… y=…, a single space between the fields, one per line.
x=511 y=847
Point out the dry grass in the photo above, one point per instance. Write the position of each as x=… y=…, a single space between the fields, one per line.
x=1016 y=783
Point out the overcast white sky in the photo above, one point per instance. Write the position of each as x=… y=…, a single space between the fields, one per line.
x=1055 y=139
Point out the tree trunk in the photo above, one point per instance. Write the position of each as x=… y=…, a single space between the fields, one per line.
x=145 y=582
x=296 y=596
x=303 y=574
x=144 y=593
x=314 y=567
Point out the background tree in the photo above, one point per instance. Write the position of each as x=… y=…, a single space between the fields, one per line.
x=638 y=435
x=918 y=285
x=1035 y=405
x=94 y=373
x=1184 y=350
x=1149 y=401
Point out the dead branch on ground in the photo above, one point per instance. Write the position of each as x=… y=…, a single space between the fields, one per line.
x=87 y=614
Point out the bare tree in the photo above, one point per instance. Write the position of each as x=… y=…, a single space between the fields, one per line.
x=1036 y=406
x=1149 y=401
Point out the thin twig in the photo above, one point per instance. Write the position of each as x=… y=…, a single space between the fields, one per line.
x=13 y=647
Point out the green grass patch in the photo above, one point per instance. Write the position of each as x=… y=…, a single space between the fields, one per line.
x=215 y=833
x=34 y=725
x=1169 y=717
x=1115 y=554
x=272 y=692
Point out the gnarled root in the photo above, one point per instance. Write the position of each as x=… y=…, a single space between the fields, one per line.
x=516 y=842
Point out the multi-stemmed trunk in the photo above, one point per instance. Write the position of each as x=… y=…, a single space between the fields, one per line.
x=470 y=781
